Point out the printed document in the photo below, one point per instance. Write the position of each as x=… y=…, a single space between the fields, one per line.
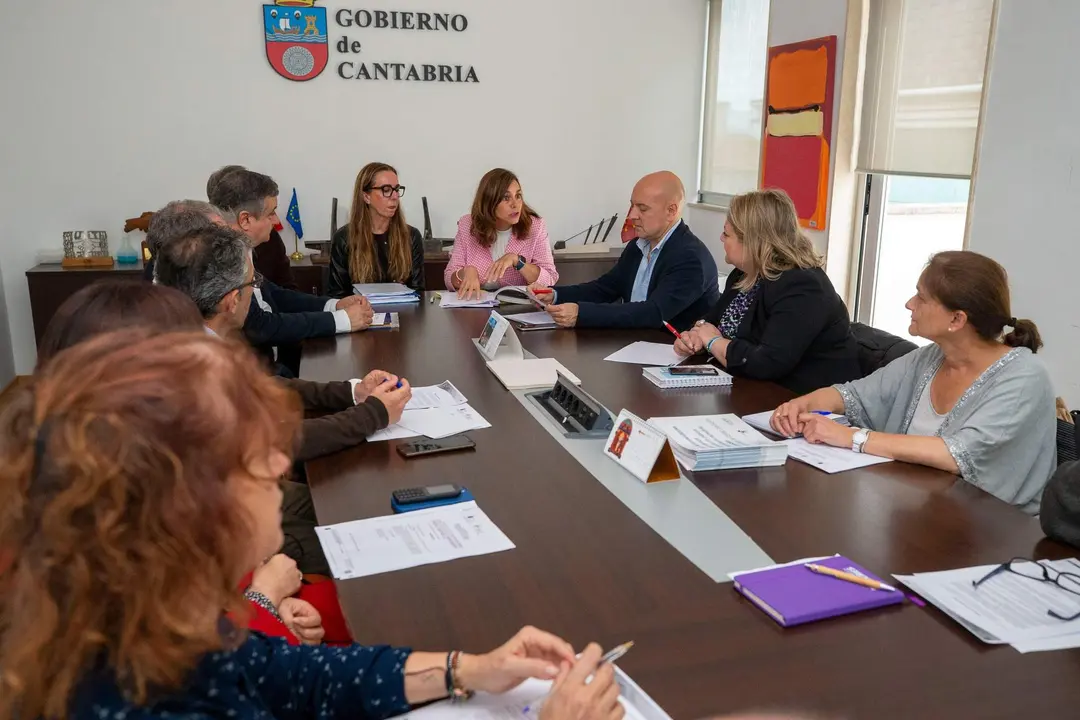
x=442 y=395
x=394 y=542
x=440 y=422
x=830 y=459
x=451 y=300
x=1007 y=607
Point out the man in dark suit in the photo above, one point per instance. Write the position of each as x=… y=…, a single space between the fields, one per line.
x=279 y=317
x=666 y=275
x=212 y=265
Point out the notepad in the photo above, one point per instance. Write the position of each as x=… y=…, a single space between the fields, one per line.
x=793 y=595
x=517 y=374
x=663 y=378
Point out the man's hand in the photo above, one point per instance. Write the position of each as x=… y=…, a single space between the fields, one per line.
x=360 y=315
x=347 y=302
x=394 y=398
x=303 y=620
x=564 y=315
x=372 y=380
x=500 y=266
x=544 y=295
x=469 y=287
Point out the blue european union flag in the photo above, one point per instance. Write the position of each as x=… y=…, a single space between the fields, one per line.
x=293 y=216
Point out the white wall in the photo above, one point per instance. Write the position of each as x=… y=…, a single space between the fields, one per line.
x=113 y=111
x=1028 y=178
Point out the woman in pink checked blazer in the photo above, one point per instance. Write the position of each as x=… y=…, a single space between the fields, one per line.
x=501 y=242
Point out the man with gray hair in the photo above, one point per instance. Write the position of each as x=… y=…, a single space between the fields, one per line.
x=175 y=219
x=212 y=266
x=279 y=316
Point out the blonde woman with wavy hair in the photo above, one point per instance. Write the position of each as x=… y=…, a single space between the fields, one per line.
x=779 y=318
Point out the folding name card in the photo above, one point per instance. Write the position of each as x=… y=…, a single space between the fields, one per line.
x=641 y=449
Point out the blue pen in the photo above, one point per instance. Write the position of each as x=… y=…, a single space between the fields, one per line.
x=826 y=413
x=398 y=383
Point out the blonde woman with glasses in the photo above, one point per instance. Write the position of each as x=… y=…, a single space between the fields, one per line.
x=779 y=318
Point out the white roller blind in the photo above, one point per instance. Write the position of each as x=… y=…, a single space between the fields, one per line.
x=925 y=62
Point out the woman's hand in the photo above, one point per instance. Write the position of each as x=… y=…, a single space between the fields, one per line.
x=574 y=697
x=785 y=419
x=277 y=579
x=531 y=653
x=500 y=266
x=687 y=344
x=820 y=430
x=469 y=285
x=703 y=332
x=303 y=620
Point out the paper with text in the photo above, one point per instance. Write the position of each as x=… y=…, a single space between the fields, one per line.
x=830 y=459
x=450 y=299
x=1008 y=607
x=395 y=542
x=442 y=395
x=441 y=422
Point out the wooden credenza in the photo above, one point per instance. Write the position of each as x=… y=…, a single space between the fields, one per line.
x=51 y=285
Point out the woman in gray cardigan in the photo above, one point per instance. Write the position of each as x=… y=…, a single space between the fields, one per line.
x=972 y=403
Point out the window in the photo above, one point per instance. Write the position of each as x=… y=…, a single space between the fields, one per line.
x=925 y=61
x=908 y=220
x=734 y=93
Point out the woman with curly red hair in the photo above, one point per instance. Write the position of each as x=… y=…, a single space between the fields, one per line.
x=138 y=484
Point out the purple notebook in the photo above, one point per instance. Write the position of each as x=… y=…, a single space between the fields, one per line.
x=794 y=595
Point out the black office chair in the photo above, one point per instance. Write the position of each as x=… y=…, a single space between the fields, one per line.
x=1068 y=434
x=878 y=348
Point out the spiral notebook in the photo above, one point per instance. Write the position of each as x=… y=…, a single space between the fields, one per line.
x=664 y=378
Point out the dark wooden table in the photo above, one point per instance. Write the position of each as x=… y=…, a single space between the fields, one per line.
x=587 y=568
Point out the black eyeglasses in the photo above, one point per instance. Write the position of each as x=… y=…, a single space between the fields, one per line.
x=1069 y=582
x=387 y=190
x=255 y=282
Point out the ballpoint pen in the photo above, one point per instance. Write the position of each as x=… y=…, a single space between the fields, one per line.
x=673 y=330
x=848 y=577
x=609 y=657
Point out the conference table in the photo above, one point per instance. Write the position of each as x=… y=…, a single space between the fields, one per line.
x=588 y=569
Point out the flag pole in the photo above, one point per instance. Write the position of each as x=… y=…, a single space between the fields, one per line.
x=296 y=256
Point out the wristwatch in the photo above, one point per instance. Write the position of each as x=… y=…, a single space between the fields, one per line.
x=520 y=263
x=858 y=441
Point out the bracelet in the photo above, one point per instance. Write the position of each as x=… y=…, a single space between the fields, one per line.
x=708 y=345
x=457 y=275
x=454 y=689
x=262 y=601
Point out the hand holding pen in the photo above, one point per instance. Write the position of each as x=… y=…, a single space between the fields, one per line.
x=574 y=697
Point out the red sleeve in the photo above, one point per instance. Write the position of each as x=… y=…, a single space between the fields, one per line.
x=262 y=621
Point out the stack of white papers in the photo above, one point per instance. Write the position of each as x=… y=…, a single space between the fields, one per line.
x=719 y=442
x=1007 y=608
x=394 y=542
x=647 y=353
x=450 y=299
x=435 y=411
x=386 y=293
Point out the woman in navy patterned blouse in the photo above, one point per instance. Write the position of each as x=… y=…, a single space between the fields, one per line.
x=138 y=483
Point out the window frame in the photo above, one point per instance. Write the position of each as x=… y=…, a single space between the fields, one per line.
x=708 y=114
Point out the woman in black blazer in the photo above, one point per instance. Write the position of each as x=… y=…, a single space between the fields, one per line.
x=779 y=318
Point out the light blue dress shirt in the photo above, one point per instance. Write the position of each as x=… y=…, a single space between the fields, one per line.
x=648 y=261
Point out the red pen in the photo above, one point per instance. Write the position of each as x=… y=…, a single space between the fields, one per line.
x=542 y=291
x=673 y=330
